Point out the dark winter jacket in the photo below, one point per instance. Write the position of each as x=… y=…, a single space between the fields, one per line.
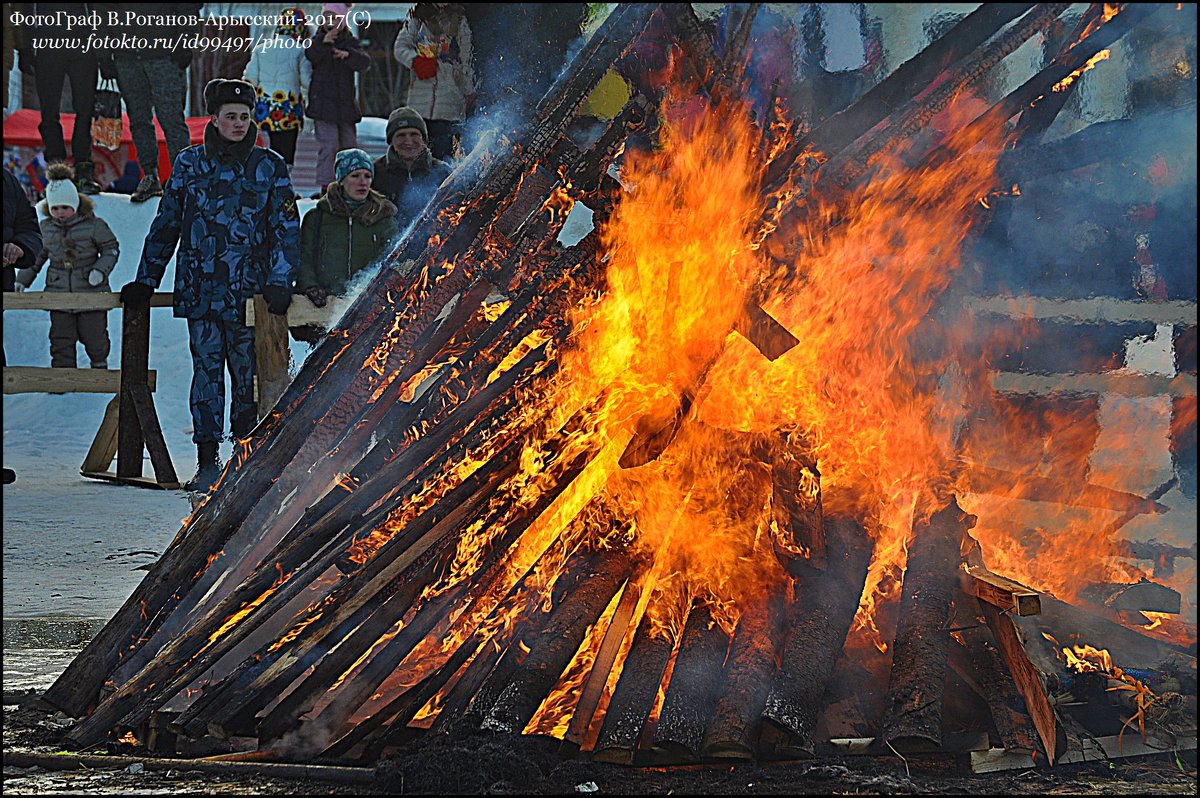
x=337 y=242
x=331 y=95
x=20 y=227
x=158 y=39
x=75 y=248
x=52 y=41
x=408 y=188
x=231 y=210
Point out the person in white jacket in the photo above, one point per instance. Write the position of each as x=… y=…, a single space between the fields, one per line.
x=435 y=44
x=280 y=75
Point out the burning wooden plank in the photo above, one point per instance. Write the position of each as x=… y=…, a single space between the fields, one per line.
x=1030 y=679
x=999 y=591
x=913 y=715
x=557 y=642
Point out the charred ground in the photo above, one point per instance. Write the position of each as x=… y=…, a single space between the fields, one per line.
x=502 y=764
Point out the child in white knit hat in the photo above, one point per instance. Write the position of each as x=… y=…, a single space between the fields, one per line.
x=82 y=252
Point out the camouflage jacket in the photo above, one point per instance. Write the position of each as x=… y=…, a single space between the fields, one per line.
x=230 y=209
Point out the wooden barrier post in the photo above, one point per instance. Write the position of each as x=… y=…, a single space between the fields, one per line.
x=137 y=420
x=271 y=355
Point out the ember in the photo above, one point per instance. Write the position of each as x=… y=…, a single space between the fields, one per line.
x=725 y=479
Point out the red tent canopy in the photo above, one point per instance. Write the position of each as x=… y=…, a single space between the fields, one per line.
x=21 y=130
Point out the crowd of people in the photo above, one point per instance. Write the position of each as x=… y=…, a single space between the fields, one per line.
x=228 y=213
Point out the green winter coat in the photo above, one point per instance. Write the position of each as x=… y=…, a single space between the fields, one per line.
x=335 y=243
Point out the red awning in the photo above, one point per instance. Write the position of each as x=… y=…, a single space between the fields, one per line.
x=21 y=130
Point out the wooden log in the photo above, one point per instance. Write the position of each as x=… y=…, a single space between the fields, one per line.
x=818 y=621
x=276 y=770
x=552 y=649
x=135 y=355
x=634 y=696
x=999 y=591
x=976 y=658
x=733 y=730
x=1029 y=680
x=693 y=689
x=913 y=713
x=1143 y=596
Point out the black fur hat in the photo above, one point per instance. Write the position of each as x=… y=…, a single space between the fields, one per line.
x=220 y=91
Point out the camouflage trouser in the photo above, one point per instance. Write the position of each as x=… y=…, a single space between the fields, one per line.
x=154 y=88
x=215 y=345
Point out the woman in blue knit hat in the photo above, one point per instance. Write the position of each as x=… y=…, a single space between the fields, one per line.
x=348 y=229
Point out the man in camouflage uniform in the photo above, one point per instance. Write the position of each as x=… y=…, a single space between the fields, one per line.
x=230 y=209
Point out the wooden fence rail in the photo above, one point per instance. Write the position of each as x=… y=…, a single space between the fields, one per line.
x=130 y=421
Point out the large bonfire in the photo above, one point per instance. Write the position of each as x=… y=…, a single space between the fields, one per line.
x=502 y=425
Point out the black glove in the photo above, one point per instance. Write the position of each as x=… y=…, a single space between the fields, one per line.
x=136 y=294
x=278 y=298
x=317 y=295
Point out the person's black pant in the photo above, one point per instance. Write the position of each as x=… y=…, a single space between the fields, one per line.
x=284 y=143
x=50 y=70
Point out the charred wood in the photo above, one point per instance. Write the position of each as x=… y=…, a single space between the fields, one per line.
x=693 y=689
x=852 y=163
x=1030 y=678
x=733 y=730
x=976 y=658
x=356 y=690
x=845 y=127
x=913 y=713
x=472 y=657
x=1143 y=596
x=556 y=644
x=307 y=399
x=819 y=619
x=798 y=532
x=632 y=699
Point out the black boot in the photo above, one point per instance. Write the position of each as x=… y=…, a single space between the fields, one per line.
x=147 y=188
x=208 y=467
x=85 y=178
